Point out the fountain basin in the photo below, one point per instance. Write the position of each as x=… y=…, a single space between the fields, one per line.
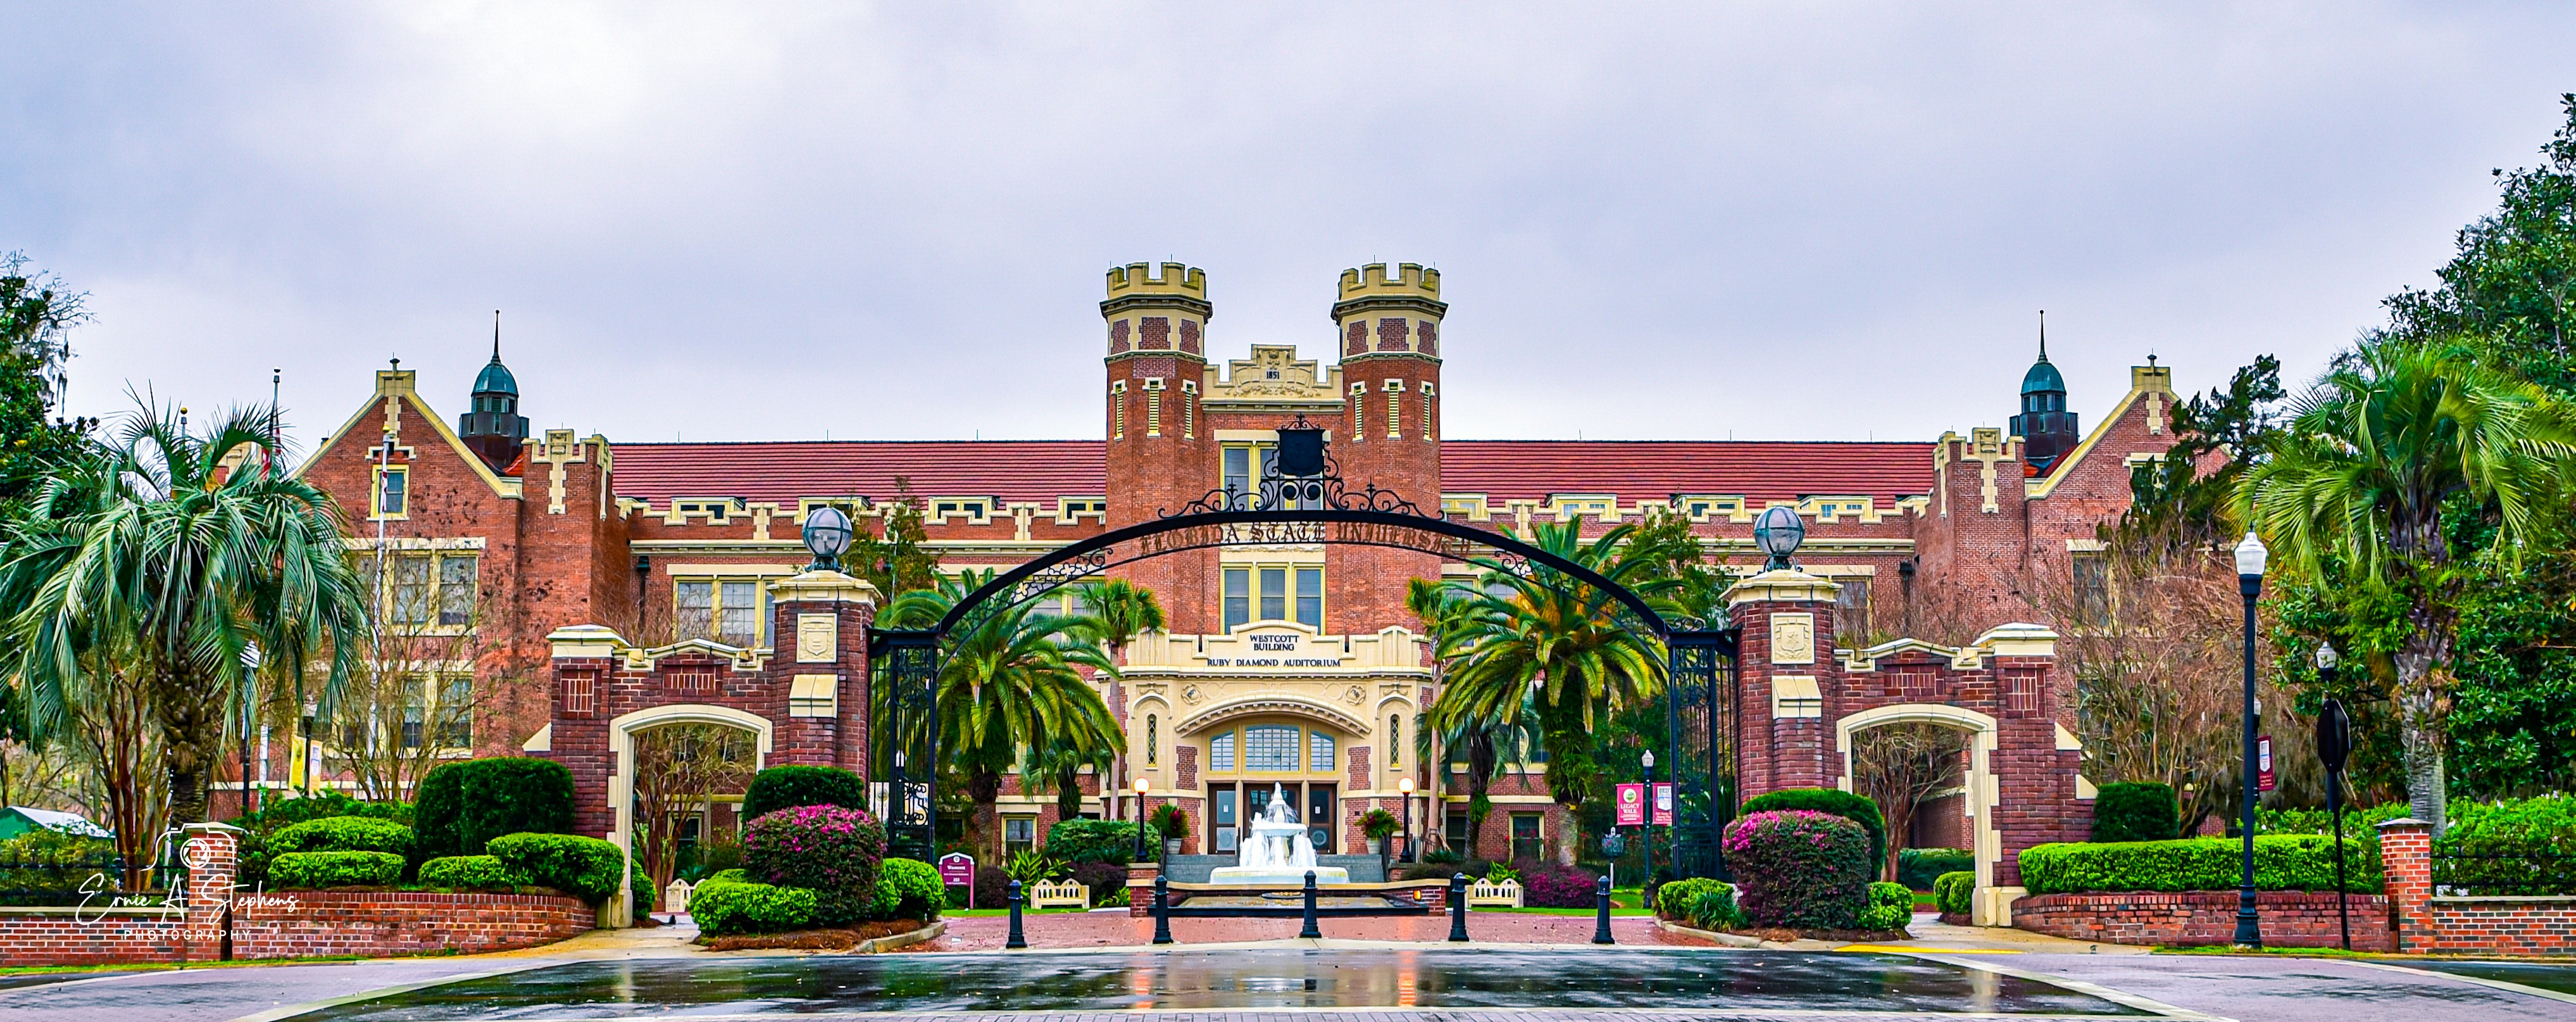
x=1257 y=876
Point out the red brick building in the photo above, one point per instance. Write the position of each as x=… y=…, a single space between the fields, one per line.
x=565 y=570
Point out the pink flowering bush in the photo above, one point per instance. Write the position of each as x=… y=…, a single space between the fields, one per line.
x=829 y=850
x=1799 y=868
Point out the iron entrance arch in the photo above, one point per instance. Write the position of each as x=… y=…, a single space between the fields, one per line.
x=1317 y=508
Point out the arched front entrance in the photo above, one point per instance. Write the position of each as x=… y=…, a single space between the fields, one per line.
x=1261 y=748
x=1979 y=780
x=621 y=780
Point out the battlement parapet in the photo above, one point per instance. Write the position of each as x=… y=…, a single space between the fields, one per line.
x=1168 y=279
x=1409 y=280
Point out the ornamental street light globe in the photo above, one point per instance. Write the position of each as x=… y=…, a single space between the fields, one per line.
x=1778 y=532
x=827 y=533
x=2251 y=555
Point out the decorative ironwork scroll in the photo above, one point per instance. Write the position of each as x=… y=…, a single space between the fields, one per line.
x=908 y=660
x=1278 y=491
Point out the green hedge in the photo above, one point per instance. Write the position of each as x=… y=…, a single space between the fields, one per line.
x=786 y=787
x=334 y=869
x=2283 y=862
x=909 y=889
x=1856 y=808
x=342 y=834
x=1891 y=906
x=2136 y=811
x=724 y=906
x=470 y=873
x=1956 y=892
x=584 y=867
x=1917 y=868
x=463 y=806
x=1111 y=841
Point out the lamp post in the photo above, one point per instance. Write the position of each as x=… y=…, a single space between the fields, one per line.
x=827 y=533
x=1142 y=785
x=1778 y=531
x=1648 y=761
x=1405 y=786
x=2250 y=555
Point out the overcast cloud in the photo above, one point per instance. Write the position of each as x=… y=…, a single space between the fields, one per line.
x=757 y=221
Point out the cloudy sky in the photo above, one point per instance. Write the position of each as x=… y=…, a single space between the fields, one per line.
x=753 y=221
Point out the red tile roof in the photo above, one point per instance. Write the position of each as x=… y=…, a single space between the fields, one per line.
x=1043 y=470
x=782 y=471
x=1644 y=469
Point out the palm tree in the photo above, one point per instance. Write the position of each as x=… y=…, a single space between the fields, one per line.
x=1542 y=644
x=2370 y=462
x=1490 y=746
x=202 y=563
x=1010 y=690
x=1120 y=611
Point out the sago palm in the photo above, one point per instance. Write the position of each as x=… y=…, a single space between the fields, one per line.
x=1545 y=643
x=2363 y=473
x=195 y=560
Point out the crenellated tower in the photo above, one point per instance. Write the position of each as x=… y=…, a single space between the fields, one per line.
x=1387 y=327
x=1161 y=455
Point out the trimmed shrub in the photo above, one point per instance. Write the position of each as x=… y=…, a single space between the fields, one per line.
x=830 y=850
x=1558 y=887
x=1093 y=841
x=1917 y=868
x=992 y=886
x=1107 y=880
x=342 y=834
x=287 y=812
x=726 y=908
x=1673 y=899
x=908 y=889
x=1800 y=868
x=584 y=867
x=1856 y=808
x=786 y=787
x=463 y=806
x=1428 y=870
x=1955 y=893
x=2282 y=862
x=335 y=869
x=469 y=873
x=1891 y=906
x=640 y=883
x=2136 y=811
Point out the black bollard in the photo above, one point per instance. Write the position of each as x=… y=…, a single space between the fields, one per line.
x=1018 y=940
x=1601 y=912
x=1458 y=908
x=1312 y=931
x=1162 y=910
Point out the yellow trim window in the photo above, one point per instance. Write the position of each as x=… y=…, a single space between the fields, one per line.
x=1273 y=748
x=392 y=496
x=421 y=589
x=727 y=610
x=1274 y=592
x=1243 y=466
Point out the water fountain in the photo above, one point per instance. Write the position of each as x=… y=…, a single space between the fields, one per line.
x=1277 y=851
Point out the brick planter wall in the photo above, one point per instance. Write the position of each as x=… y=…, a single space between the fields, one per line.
x=292 y=924
x=2480 y=925
x=2200 y=918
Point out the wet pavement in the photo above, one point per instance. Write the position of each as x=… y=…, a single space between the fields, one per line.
x=2558 y=976
x=1118 y=929
x=1239 y=980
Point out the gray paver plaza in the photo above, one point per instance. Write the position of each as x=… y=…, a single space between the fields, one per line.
x=1285 y=983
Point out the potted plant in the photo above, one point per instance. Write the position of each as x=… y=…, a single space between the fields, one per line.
x=1379 y=825
x=1174 y=825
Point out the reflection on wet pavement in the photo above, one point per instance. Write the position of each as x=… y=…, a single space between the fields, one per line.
x=2559 y=976
x=34 y=979
x=1265 y=978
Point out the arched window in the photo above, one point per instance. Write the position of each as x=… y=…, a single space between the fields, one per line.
x=1152 y=743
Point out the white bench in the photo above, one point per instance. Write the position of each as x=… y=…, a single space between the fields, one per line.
x=1046 y=894
x=675 y=898
x=1484 y=893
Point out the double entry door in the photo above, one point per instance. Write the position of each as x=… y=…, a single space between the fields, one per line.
x=1233 y=807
